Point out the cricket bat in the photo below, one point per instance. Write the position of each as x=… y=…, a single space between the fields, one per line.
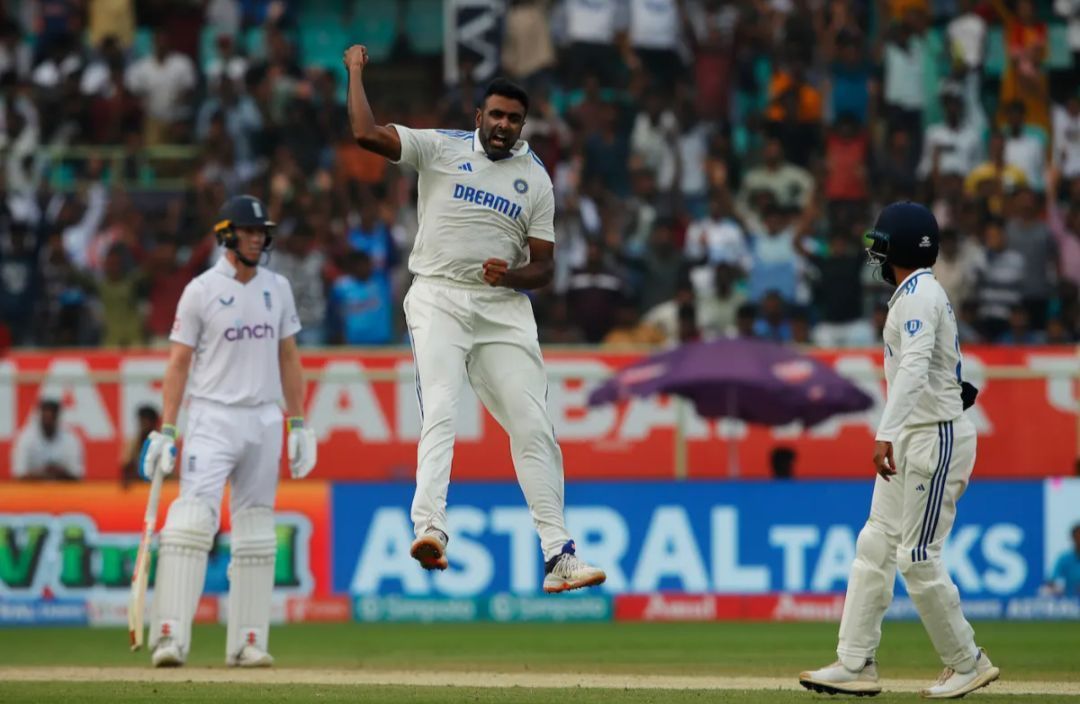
x=140 y=576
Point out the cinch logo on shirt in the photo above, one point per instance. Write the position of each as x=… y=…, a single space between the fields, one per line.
x=249 y=332
x=488 y=200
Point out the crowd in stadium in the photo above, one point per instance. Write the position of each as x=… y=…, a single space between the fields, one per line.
x=715 y=162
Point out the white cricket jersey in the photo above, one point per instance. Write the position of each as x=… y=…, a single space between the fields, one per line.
x=235 y=330
x=471 y=208
x=923 y=363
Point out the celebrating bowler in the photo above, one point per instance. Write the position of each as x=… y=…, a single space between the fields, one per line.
x=486 y=213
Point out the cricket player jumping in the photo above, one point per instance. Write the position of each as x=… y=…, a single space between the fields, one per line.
x=234 y=333
x=486 y=213
x=924 y=455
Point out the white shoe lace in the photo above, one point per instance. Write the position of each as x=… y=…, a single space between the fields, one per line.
x=568 y=566
x=946 y=674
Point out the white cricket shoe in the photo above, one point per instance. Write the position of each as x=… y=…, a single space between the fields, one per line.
x=430 y=550
x=837 y=679
x=953 y=684
x=567 y=571
x=250 y=656
x=167 y=654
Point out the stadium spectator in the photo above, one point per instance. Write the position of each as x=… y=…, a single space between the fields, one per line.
x=998 y=289
x=595 y=33
x=630 y=330
x=991 y=180
x=1027 y=233
x=1020 y=331
x=850 y=78
x=837 y=269
x=774 y=320
x=782 y=462
x=1023 y=149
x=717 y=238
x=528 y=52
x=1065 y=153
x=44 y=449
x=1065 y=227
x=655 y=34
x=299 y=260
x=1026 y=45
x=593 y=294
x=745 y=319
x=358 y=306
x=790 y=185
x=20 y=284
x=904 y=65
x=1065 y=577
x=168 y=277
x=658 y=272
x=164 y=80
x=955 y=146
x=717 y=310
x=120 y=291
x=959 y=260
x=847 y=155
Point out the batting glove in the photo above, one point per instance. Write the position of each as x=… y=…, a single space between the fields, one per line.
x=158 y=453
x=302 y=449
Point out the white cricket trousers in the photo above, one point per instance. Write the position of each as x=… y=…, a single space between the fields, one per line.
x=487 y=335
x=910 y=517
x=236 y=444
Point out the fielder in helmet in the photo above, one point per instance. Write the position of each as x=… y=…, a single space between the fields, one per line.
x=244 y=228
x=905 y=237
x=924 y=455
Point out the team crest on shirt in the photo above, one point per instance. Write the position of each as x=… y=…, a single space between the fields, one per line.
x=266 y=299
x=520 y=186
x=913 y=326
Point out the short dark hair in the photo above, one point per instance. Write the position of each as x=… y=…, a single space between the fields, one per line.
x=149 y=413
x=49 y=404
x=507 y=89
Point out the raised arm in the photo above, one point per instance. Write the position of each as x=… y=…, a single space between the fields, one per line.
x=379 y=139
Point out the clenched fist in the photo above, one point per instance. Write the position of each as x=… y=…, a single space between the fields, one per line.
x=356 y=57
x=494 y=271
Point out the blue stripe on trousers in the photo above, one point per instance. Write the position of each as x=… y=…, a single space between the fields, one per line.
x=416 y=375
x=917 y=551
x=944 y=474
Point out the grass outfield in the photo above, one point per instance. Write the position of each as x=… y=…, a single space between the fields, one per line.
x=1045 y=652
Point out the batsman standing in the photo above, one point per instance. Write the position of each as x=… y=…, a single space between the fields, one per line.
x=486 y=211
x=924 y=455
x=234 y=334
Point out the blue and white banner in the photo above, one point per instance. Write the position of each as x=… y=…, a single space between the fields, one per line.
x=696 y=537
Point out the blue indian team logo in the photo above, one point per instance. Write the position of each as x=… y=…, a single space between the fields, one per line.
x=520 y=186
x=266 y=299
x=913 y=326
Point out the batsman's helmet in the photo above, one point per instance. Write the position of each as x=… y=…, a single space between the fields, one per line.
x=906 y=235
x=242 y=211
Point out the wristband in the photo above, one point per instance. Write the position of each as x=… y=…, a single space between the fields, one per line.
x=169 y=429
x=295 y=422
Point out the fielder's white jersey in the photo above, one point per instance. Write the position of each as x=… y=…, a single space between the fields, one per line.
x=923 y=363
x=471 y=208
x=235 y=330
